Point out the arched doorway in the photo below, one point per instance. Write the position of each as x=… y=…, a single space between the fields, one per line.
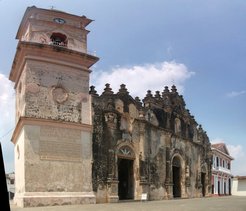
x=203 y=181
x=176 y=170
x=125 y=177
x=125 y=173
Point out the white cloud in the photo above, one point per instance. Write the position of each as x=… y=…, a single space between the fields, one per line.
x=7 y=115
x=140 y=78
x=238 y=164
x=235 y=93
x=7 y=99
x=236 y=151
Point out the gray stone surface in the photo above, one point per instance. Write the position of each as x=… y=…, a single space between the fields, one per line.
x=230 y=203
x=155 y=147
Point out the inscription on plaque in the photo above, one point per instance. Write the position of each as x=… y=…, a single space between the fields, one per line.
x=60 y=144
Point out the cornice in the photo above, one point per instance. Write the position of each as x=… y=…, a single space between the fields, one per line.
x=23 y=121
x=50 y=54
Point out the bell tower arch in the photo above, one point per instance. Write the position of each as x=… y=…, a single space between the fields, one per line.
x=52 y=137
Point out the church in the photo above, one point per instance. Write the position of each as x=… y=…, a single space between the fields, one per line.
x=75 y=146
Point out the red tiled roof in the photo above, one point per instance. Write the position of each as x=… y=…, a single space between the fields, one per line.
x=221 y=147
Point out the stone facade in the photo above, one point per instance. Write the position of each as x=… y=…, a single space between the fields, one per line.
x=155 y=147
x=73 y=146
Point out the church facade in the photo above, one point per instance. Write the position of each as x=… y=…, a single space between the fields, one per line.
x=153 y=147
x=73 y=146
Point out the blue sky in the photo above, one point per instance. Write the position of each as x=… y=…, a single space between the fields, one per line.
x=198 y=45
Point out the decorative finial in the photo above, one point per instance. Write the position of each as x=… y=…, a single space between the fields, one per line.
x=123 y=89
x=157 y=95
x=149 y=94
x=107 y=89
x=174 y=90
x=138 y=101
x=93 y=91
x=165 y=91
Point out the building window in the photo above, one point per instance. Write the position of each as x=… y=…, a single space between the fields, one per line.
x=223 y=164
x=217 y=161
x=58 y=39
x=229 y=165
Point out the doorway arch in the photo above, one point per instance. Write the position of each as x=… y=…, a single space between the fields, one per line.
x=176 y=176
x=204 y=179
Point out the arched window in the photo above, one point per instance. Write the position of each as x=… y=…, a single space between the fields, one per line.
x=58 y=39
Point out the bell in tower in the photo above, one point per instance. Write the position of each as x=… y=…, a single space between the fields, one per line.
x=52 y=137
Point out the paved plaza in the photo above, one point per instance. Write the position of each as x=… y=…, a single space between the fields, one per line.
x=230 y=203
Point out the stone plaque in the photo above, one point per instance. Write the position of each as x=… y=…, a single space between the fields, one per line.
x=60 y=95
x=60 y=144
x=86 y=145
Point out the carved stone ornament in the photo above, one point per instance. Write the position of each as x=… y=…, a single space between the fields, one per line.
x=126 y=151
x=111 y=120
x=59 y=94
x=32 y=88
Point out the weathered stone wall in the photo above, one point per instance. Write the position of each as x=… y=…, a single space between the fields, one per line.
x=55 y=92
x=156 y=133
x=59 y=151
x=57 y=160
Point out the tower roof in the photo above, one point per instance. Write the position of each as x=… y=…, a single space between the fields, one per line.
x=32 y=11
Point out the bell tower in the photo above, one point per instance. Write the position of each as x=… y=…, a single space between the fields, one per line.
x=53 y=133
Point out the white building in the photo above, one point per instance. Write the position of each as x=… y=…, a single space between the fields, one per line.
x=239 y=186
x=221 y=170
x=11 y=184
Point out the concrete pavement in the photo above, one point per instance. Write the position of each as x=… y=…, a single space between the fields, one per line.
x=227 y=203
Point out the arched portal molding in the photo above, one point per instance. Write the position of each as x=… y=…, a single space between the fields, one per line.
x=204 y=168
x=177 y=159
x=178 y=174
x=125 y=151
x=177 y=152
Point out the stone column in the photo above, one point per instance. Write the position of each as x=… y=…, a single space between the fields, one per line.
x=112 y=187
x=168 y=181
x=112 y=182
